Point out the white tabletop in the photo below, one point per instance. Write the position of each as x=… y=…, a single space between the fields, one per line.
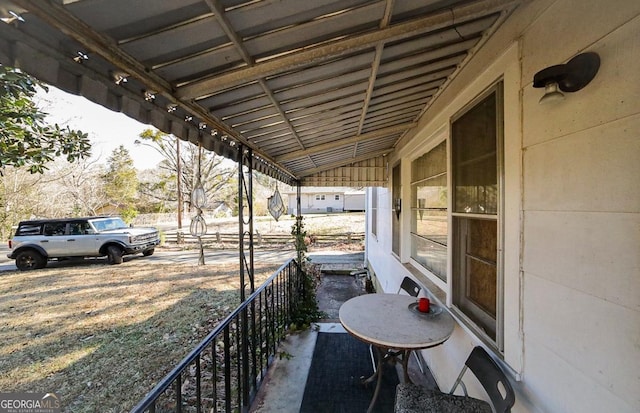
x=385 y=320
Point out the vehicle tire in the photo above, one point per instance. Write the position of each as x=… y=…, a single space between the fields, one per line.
x=30 y=260
x=114 y=255
x=148 y=252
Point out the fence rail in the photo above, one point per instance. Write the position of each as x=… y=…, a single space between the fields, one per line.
x=175 y=237
x=224 y=372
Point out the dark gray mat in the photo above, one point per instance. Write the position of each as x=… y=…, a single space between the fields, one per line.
x=334 y=385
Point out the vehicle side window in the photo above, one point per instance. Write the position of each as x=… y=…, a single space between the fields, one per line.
x=79 y=228
x=29 y=229
x=54 y=228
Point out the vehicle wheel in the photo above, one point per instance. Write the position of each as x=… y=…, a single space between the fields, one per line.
x=30 y=260
x=148 y=252
x=114 y=255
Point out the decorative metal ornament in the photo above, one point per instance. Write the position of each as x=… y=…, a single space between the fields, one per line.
x=198 y=226
x=199 y=198
x=275 y=205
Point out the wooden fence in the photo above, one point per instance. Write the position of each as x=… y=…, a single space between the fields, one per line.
x=175 y=237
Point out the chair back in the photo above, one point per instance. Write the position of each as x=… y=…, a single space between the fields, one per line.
x=491 y=376
x=410 y=287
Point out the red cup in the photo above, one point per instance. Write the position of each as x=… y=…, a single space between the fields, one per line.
x=423 y=305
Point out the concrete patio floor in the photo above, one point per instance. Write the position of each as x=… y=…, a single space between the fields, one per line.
x=283 y=387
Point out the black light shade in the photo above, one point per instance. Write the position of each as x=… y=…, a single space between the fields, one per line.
x=571 y=76
x=397 y=206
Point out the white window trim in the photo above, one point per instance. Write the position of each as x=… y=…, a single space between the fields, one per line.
x=498 y=344
x=442 y=134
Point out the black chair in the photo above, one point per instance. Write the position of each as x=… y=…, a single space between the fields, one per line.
x=410 y=287
x=411 y=398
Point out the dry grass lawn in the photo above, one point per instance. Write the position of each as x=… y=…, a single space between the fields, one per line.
x=101 y=336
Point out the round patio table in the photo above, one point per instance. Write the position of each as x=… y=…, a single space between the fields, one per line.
x=392 y=321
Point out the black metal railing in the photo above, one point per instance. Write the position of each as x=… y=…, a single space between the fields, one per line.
x=224 y=372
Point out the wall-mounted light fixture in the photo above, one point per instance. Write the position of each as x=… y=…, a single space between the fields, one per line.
x=569 y=77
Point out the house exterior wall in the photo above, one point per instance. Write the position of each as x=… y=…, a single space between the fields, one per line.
x=571 y=210
x=310 y=205
x=354 y=202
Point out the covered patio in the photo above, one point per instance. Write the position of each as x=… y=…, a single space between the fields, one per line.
x=517 y=213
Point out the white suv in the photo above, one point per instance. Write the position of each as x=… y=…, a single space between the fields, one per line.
x=37 y=241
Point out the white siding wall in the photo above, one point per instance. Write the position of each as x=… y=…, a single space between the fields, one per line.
x=572 y=219
x=581 y=222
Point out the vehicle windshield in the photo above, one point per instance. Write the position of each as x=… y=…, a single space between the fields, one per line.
x=108 y=224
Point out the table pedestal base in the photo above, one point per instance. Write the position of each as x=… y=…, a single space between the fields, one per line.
x=377 y=374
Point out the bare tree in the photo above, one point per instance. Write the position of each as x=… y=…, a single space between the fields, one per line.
x=196 y=164
x=80 y=186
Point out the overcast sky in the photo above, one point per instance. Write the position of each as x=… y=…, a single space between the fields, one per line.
x=106 y=129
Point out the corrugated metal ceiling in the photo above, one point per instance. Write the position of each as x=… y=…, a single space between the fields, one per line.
x=305 y=87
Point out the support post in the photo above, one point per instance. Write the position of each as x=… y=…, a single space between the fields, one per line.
x=245 y=218
x=298 y=215
x=179 y=184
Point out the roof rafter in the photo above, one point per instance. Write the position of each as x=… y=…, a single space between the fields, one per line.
x=432 y=22
x=346 y=142
x=246 y=56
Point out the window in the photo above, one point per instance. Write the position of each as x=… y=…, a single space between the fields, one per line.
x=337 y=197
x=319 y=197
x=78 y=228
x=429 y=225
x=374 y=210
x=476 y=141
x=55 y=228
x=396 y=209
x=29 y=229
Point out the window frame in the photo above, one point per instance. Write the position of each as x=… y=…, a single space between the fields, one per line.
x=396 y=208
x=498 y=89
x=374 y=211
x=414 y=236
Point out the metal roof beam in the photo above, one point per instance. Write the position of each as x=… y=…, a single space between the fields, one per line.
x=246 y=56
x=346 y=142
x=435 y=21
x=375 y=66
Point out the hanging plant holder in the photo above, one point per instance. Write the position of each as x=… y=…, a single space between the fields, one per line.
x=198 y=226
x=275 y=205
